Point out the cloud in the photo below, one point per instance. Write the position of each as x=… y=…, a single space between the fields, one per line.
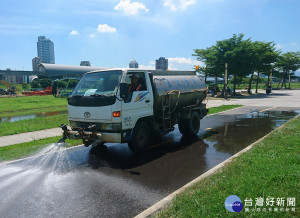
x=74 y=33
x=104 y=28
x=176 y=5
x=287 y=46
x=182 y=60
x=130 y=8
x=148 y=67
x=182 y=63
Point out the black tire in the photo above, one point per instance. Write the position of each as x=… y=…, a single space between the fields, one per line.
x=141 y=137
x=190 y=126
x=183 y=126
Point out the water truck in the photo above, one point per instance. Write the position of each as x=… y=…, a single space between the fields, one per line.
x=103 y=109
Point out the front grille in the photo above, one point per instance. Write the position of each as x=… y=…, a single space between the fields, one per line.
x=85 y=125
x=105 y=127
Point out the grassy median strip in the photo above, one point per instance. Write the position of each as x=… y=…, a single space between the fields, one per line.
x=271 y=169
x=26 y=149
x=221 y=108
x=11 y=128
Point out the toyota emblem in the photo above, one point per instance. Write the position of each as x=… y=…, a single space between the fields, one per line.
x=87 y=114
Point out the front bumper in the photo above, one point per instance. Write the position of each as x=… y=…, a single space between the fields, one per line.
x=81 y=134
x=91 y=135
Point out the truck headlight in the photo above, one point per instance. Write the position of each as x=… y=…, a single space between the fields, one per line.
x=106 y=126
x=73 y=124
x=111 y=127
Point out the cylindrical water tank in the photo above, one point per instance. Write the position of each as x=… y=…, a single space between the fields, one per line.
x=183 y=91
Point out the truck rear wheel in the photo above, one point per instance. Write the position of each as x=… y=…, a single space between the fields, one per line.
x=190 y=126
x=141 y=137
x=183 y=126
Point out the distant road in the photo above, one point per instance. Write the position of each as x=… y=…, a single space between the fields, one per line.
x=278 y=98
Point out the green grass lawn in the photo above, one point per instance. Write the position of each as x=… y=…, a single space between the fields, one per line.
x=15 y=105
x=271 y=169
x=11 y=128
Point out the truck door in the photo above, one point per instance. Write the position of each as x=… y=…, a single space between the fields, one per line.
x=140 y=102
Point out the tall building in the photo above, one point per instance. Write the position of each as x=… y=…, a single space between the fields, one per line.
x=85 y=63
x=35 y=64
x=45 y=49
x=133 y=64
x=161 y=64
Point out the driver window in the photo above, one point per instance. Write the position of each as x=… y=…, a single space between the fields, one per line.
x=136 y=82
x=141 y=79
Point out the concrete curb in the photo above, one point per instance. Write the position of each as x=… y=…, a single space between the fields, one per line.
x=164 y=202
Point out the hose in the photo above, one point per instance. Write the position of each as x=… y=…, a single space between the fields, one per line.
x=178 y=96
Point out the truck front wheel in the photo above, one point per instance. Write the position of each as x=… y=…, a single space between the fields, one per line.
x=141 y=137
x=190 y=126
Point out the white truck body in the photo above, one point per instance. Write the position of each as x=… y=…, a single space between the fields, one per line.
x=98 y=114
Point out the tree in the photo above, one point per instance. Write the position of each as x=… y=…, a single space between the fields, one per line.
x=209 y=57
x=237 y=56
x=263 y=54
x=287 y=64
x=233 y=51
x=72 y=83
x=45 y=83
x=61 y=84
x=244 y=58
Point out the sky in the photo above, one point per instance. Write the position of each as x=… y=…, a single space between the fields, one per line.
x=110 y=33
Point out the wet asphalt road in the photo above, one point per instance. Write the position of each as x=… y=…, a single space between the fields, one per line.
x=117 y=183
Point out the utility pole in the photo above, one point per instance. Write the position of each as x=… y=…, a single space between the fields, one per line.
x=226 y=80
x=271 y=77
x=289 y=79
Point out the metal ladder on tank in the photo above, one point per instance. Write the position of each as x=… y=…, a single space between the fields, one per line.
x=166 y=115
x=166 y=108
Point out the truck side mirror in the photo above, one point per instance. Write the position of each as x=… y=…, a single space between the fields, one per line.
x=124 y=90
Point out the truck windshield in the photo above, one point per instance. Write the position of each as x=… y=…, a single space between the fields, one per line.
x=103 y=83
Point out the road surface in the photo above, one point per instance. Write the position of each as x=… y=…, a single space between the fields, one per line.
x=118 y=183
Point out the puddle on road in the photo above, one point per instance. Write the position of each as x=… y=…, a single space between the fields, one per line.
x=31 y=116
x=175 y=160
x=236 y=134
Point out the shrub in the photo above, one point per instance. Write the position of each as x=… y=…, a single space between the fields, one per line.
x=25 y=86
x=35 y=84
x=45 y=83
